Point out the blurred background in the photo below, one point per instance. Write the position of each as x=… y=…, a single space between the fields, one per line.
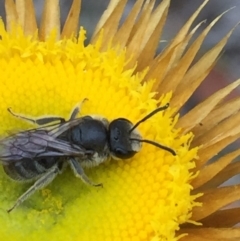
x=227 y=68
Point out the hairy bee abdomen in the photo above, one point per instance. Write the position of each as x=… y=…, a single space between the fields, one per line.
x=28 y=169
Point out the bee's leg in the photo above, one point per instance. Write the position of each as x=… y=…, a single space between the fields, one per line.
x=77 y=109
x=79 y=172
x=47 y=120
x=42 y=182
x=39 y=120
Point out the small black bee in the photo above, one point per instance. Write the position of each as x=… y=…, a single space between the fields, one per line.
x=41 y=154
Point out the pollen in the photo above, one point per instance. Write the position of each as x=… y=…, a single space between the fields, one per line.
x=142 y=198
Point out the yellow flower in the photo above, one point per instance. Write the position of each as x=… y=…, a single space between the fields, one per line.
x=154 y=195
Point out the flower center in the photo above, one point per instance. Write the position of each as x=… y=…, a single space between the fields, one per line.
x=142 y=196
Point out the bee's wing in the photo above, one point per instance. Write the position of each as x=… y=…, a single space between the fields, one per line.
x=57 y=131
x=36 y=144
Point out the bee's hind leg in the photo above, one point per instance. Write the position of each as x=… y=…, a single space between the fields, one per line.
x=47 y=120
x=79 y=172
x=39 y=120
x=42 y=182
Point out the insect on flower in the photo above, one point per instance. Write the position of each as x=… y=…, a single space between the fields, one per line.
x=42 y=153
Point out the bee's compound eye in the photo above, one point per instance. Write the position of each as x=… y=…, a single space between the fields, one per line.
x=116 y=134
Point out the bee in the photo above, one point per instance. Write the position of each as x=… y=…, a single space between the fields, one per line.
x=39 y=155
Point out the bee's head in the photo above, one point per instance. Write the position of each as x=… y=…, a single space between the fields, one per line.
x=123 y=144
x=125 y=140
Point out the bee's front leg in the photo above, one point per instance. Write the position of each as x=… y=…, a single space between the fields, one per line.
x=77 y=109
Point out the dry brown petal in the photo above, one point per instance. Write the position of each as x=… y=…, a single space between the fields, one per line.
x=169 y=58
x=179 y=38
x=104 y=17
x=152 y=34
x=50 y=19
x=228 y=127
x=214 y=199
x=211 y=170
x=142 y=18
x=197 y=114
x=222 y=219
x=211 y=234
x=230 y=171
x=20 y=7
x=11 y=13
x=30 y=22
x=206 y=153
x=197 y=74
x=109 y=22
x=71 y=25
x=220 y=112
x=123 y=34
x=165 y=62
x=23 y=13
x=138 y=35
x=161 y=65
x=177 y=73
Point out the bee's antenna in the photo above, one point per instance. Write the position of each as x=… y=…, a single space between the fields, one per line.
x=156 y=144
x=161 y=108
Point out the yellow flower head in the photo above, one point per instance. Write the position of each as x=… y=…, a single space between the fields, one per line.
x=47 y=73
